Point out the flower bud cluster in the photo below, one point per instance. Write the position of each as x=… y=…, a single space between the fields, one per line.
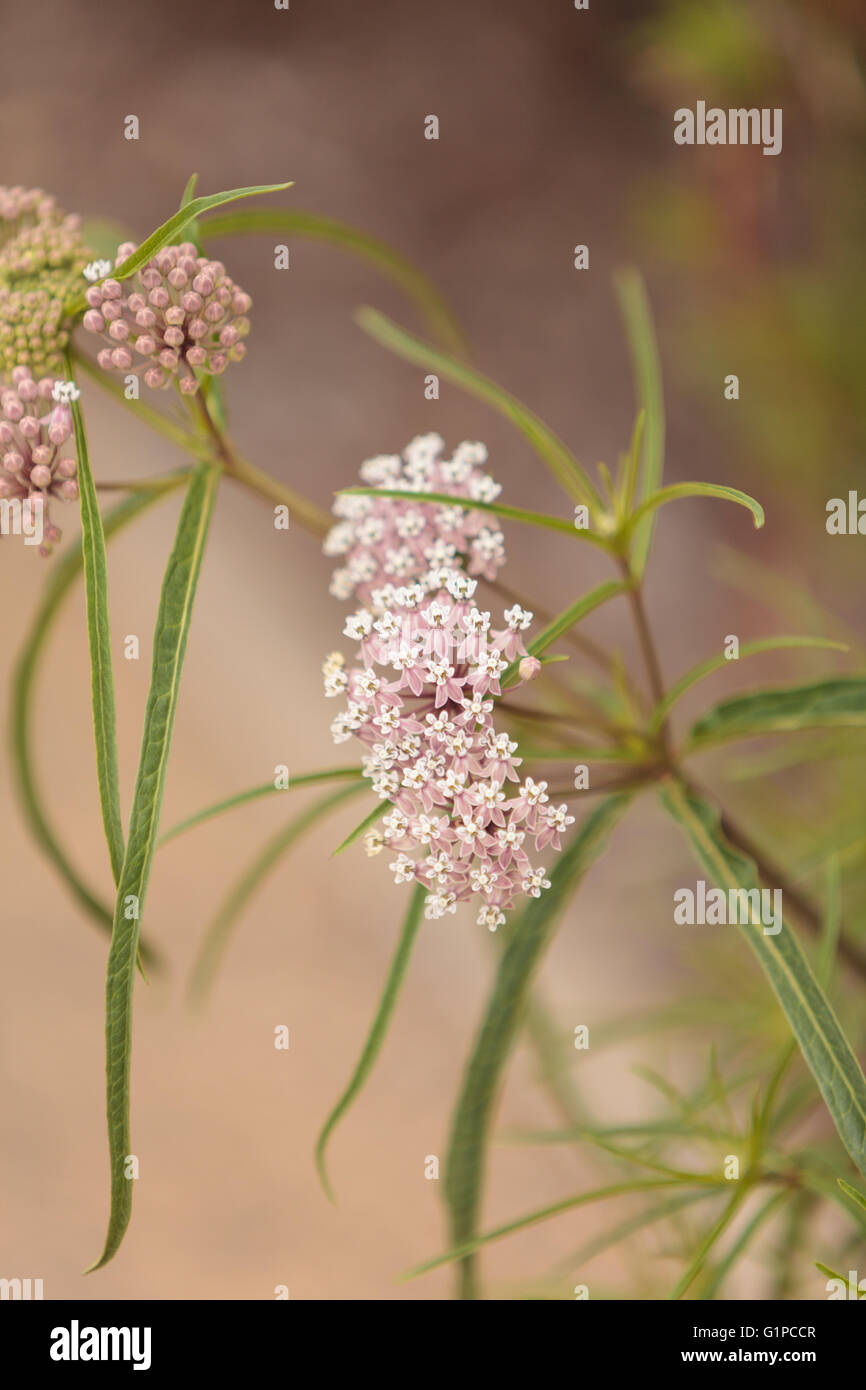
x=178 y=314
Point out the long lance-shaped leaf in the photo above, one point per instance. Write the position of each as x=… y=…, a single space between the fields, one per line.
x=521 y=958
x=552 y=523
x=307 y=779
x=565 y=622
x=169 y=648
x=170 y=230
x=813 y=1022
x=549 y=447
x=715 y=663
x=99 y=635
x=218 y=934
x=829 y=704
x=417 y=286
x=680 y=490
x=376 y=1036
x=62 y=578
x=637 y=315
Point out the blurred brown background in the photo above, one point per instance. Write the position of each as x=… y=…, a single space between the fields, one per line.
x=555 y=129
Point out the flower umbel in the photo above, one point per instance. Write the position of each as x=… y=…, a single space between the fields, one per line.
x=418 y=701
x=35 y=425
x=180 y=313
x=386 y=542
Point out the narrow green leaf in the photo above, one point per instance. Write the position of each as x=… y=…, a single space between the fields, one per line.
x=840 y=1278
x=63 y=576
x=217 y=936
x=564 y=623
x=710 y=1289
x=553 y=523
x=378 y=1029
x=699 y=1260
x=99 y=635
x=526 y=944
x=468 y=1248
x=192 y=231
x=836 y=703
x=631 y=464
x=637 y=315
x=549 y=447
x=169 y=648
x=417 y=286
x=715 y=663
x=678 y=490
x=168 y=231
x=813 y=1022
x=371 y=818
x=632 y=1224
x=336 y=774
x=852 y=1192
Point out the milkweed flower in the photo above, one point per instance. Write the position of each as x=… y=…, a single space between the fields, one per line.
x=42 y=254
x=178 y=314
x=420 y=700
x=386 y=542
x=35 y=431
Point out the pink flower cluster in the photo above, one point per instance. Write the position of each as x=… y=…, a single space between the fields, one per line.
x=420 y=702
x=179 y=312
x=35 y=424
x=385 y=541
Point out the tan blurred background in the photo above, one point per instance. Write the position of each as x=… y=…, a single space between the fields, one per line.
x=555 y=129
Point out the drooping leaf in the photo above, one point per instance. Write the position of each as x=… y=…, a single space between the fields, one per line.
x=169 y=648
x=99 y=636
x=715 y=663
x=171 y=229
x=376 y=1036
x=527 y=941
x=552 y=523
x=218 y=933
x=680 y=490
x=61 y=580
x=827 y=704
x=417 y=286
x=307 y=779
x=637 y=315
x=549 y=447
x=813 y=1022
